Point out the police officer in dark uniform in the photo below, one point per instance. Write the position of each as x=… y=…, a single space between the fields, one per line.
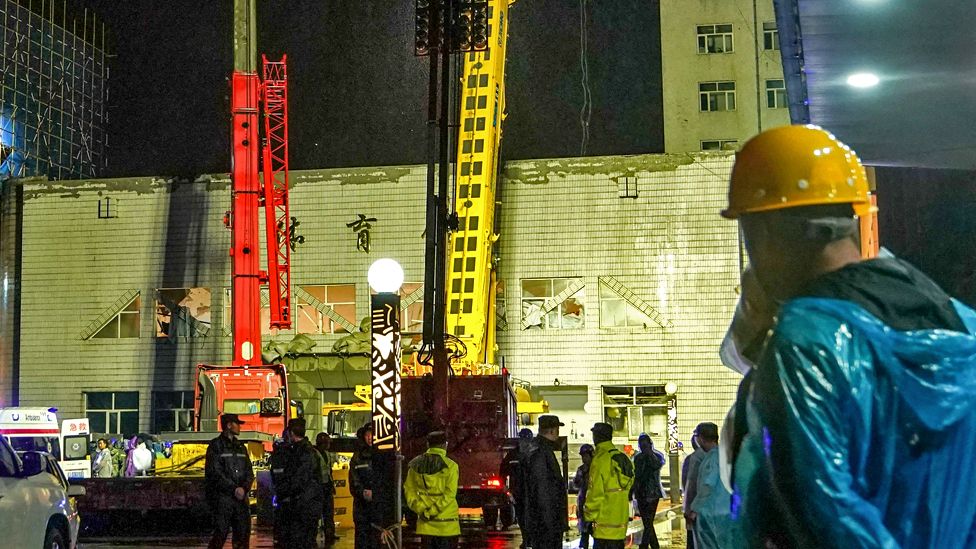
x=228 y=475
x=299 y=489
x=361 y=479
x=511 y=470
x=546 y=502
x=279 y=456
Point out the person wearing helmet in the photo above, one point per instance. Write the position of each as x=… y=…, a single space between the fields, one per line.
x=580 y=481
x=859 y=413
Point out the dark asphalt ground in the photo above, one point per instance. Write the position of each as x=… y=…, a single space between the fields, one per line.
x=261 y=539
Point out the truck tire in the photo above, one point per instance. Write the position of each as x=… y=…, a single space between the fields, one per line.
x=507 y=516
x=490 y=515
x=55 y=538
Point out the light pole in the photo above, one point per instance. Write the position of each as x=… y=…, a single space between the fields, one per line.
x=672 y=391
x=385 y=277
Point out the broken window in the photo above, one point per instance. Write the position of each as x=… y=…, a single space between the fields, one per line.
x=182 y=312
x=412 y=303
x=338 y=298
x=553 y=303
x=123 y=324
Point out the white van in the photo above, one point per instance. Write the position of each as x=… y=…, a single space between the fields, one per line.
x=37 y=430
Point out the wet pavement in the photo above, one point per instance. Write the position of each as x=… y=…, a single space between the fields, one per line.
x=472 y=537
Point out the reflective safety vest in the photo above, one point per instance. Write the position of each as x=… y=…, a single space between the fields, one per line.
x=431 y=492
x=608 y=493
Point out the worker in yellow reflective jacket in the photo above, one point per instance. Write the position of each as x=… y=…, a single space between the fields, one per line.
x=608 y=496
x=431 y=491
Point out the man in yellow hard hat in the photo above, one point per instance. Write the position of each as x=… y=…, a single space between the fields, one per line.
x=859 y=415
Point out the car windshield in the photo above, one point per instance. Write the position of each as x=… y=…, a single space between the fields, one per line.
x=37 y=444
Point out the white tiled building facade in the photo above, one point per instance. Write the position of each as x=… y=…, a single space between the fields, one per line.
x=722 y=73
x=650 y=267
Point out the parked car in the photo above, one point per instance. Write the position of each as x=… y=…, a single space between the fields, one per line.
x=37 y=506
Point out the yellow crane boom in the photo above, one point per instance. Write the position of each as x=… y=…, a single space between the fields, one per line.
x=471 y=284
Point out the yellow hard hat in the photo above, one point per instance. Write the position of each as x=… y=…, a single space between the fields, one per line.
x=794 y=166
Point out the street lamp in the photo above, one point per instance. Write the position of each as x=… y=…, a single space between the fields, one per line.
x=672 y=391
x=385 y=277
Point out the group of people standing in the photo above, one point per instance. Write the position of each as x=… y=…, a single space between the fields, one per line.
x=302 y=477
x=607 y=482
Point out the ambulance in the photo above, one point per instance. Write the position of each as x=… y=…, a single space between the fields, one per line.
x=37 y=429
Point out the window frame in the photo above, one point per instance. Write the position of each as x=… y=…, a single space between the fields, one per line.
x=322 y=319
x=607 y=295
x=114 y=410
x=770 y=36
x=724 y=89
x=656 y=402
x=716 y=32
x=776 y=95
x=116 y=319
x=186 y=406
x=556 y=313
x=416 y=308
x=721 y=144
x=192 y=333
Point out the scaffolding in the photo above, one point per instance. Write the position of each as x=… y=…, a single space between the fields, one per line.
x=53 y=92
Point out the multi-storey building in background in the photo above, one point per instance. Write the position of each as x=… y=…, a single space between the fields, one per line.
x=53 y=91
x=722 y=73
x=117 y=308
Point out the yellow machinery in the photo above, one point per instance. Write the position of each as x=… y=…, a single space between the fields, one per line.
x=471 y=284
x=341 y=422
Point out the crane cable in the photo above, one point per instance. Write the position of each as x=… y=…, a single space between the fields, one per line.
x=586 y=111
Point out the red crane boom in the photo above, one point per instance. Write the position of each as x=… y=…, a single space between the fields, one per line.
x=278 y=223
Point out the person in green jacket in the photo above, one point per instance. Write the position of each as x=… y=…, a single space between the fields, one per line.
x=608 y=496
x=431 y=492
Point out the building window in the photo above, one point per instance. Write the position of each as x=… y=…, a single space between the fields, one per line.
x=172 y=411
x=115 y=413
x=265 y=313
x=776 y=94
x=616 y=312
x=108 y=208
x=715 y=38
x=124 y=324
x=719 y=145
x=183 y=312
x=539 y=310
x=412 y=316
x=633 y=410
x=627 y=186
x=340 y=298
x=716 y=96
x=770 y=36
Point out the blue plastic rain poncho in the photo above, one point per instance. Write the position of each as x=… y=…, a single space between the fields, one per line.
x=859 y=435
x=713 y=525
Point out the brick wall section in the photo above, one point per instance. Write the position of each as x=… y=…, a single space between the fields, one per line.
x=564 y=218
x=560 y=218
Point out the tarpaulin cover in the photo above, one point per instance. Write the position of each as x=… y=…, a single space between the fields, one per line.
x=859 y=435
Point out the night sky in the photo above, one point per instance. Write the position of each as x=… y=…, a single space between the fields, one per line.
x=358 y=94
